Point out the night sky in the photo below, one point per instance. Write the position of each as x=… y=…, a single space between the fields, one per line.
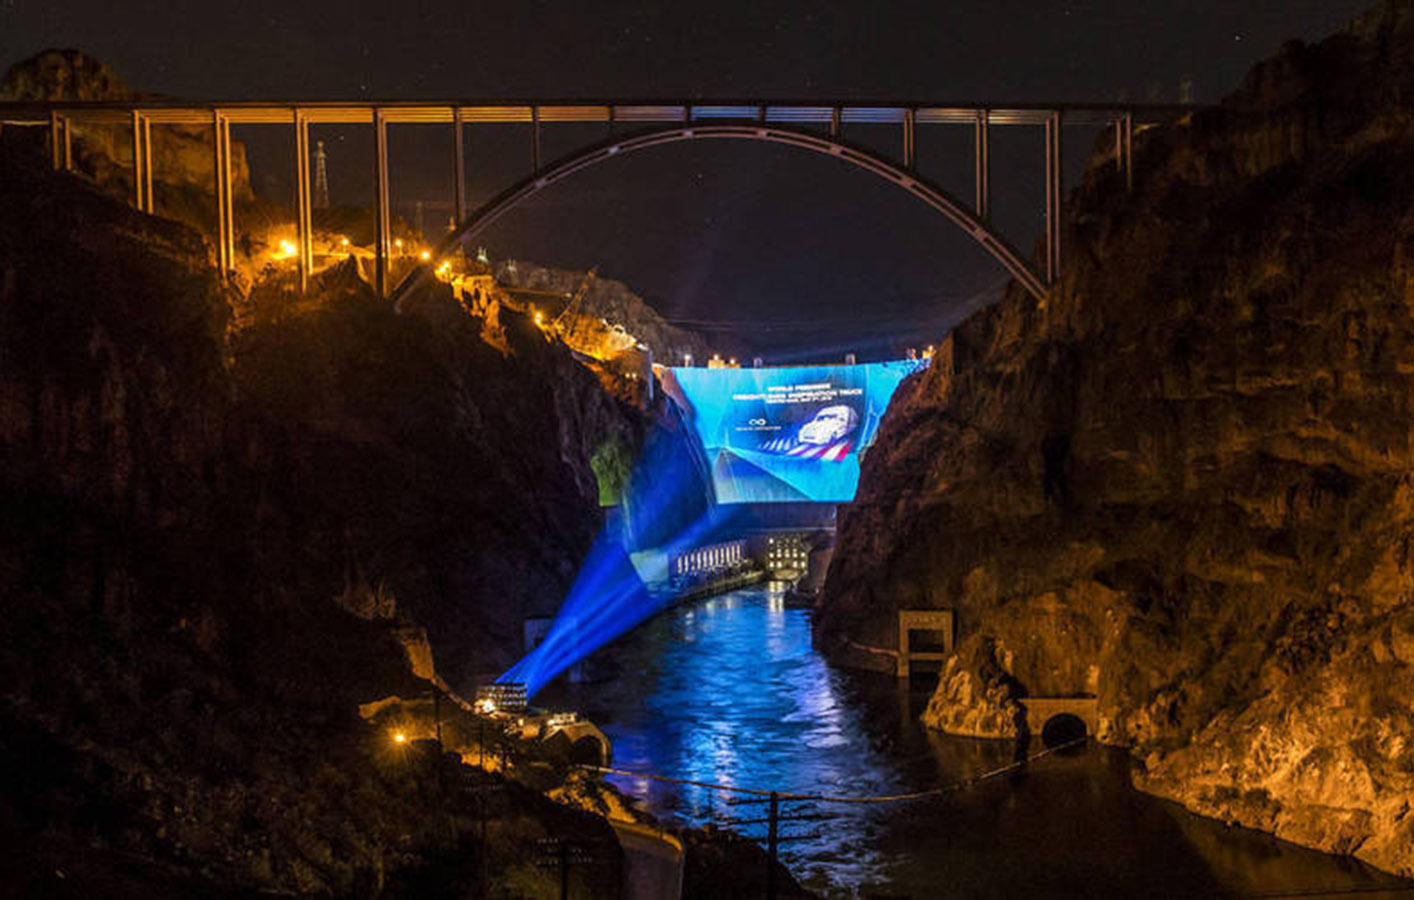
x=799 y=256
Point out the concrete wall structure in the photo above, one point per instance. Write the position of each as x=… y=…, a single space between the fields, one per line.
x=935 y=621
x=1040 y=710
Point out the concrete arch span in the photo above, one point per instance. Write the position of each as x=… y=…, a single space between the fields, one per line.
x=937 y=198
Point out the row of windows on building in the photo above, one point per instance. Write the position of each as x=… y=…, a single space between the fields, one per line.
x=705 y=559
x=787 y=553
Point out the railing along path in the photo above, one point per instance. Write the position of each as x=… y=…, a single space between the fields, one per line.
x=775 y=798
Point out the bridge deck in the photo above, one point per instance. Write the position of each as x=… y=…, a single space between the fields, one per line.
x=481 y=111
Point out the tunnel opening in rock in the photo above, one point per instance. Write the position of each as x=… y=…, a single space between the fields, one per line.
x=928 y=640
x=1063 y=730
x=588 y=751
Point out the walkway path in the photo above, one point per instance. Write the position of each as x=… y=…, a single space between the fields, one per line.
x=653 y=860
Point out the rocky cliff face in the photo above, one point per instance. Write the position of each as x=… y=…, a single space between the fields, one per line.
x=183 y=162
x=218 y=545
x=615 y=303
x=1183 y=483
x=457 y=471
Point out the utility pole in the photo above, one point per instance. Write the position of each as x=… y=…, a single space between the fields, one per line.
x=771 y=841
x=564 y=870
x=321 y=177
x=483 y=864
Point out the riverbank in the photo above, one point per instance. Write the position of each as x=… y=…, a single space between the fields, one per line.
x=713 y=587
x=730 y=691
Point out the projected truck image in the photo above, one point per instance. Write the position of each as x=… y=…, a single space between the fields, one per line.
x=832 y=423
x=790 y=434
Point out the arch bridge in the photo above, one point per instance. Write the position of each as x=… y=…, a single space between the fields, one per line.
x=629 y=126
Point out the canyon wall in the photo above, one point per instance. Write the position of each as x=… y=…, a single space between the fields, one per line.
x=616 y=304
x=450 y=459
x=1185 y=482
x=218 y=543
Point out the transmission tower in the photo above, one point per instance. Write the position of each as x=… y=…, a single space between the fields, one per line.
x=321 y=177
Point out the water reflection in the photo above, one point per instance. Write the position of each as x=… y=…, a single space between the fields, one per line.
x=731 y=692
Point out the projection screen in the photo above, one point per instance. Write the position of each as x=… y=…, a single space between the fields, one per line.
x=787 y=434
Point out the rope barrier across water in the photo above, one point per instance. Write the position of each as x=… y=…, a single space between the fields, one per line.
x=827 y=798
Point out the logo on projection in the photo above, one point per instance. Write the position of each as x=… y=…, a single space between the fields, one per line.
x=790 y=434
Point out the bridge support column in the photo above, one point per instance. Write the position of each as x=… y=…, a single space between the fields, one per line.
x=60 y=151
x=459 y=164
x=535 y=138
x=984 y=166
x=382 y=219
x=137 y=160
x=142 y=163
x=147 y=164
x=304 y=227
x=910 y=153
x=1124 y=149
x=225 y=214
x=1053 y=198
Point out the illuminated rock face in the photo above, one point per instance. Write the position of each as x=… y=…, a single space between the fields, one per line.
x=1183 y=483
x=182 y=156
x=610 y=319
x=1323 y=759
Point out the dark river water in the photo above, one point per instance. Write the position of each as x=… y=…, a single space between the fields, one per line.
x=730 y=691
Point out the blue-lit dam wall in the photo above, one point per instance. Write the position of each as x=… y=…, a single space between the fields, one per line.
x=788 y=434
x=734 y=439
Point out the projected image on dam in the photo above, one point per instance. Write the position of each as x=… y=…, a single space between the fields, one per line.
x=789 y=434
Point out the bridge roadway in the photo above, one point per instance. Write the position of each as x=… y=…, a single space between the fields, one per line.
x=641 y=123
